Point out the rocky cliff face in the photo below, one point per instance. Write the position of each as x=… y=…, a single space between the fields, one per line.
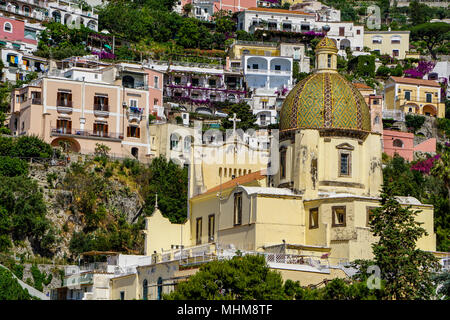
x=60 y=205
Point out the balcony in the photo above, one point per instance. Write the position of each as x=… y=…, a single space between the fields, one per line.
x=79 y=279
x=36 y=101
x=101 y=110
x=86 y=134
x=65 y=107
x=134 y=114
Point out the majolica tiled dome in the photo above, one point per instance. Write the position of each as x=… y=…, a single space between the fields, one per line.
x=325 y=100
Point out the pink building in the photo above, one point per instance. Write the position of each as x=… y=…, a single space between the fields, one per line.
x=108 y=104
x=204 y=9
x=12 y=30
x=402 y=143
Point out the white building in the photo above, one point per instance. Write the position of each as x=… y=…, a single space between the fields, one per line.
x=275 y=19
x=269 y=79
x=345 y=34
x=91 y=281
x=296 y=51
x=18 y=64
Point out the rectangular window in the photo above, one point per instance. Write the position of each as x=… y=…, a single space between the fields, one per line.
x=255 y=66
x=156 y=80
x=155 y=102
x=341 y=31
x=64 y=126
x=277 y=67
x=344 y=164
x=314 y=218
x=238 y=209
x=358 y=31
x=198 y=231
x=370 y=211
x=177 y=80
x=133 y=103
x=408 y=95
x=395 y=53
x=133 y=132
x=429 y=97
x=101 y=103
x=329 y=61
x=283 y=164
x=122 y=295
x=64 y=99
x=338 y=216
x=195 y=81
x=211 y=223
x=101 y=129
x=212 y=82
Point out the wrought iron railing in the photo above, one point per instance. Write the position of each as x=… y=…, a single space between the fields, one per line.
x=85 y=133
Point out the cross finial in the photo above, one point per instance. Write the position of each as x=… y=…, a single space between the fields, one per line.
x=234 y=120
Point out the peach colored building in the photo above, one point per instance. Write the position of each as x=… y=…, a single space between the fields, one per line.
x=402 y=143
x=375 y=104
x=86 y=106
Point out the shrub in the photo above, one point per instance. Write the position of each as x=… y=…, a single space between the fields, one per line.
x=32 y=146
x=414 y=121
x=12 y=167
x=10 y=288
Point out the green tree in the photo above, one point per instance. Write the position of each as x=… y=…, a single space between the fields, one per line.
x=12 y=167
x=443 y=282
x=10 y=288
x=441 y=168
x=240 y=278
x=243 y=112
x=419 y=13
x=433 y=35
x=169 y=181
x=407 y=271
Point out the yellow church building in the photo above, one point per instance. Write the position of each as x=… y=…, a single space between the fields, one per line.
x=311 y=216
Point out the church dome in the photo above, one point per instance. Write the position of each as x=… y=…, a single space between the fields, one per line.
x=325 y=99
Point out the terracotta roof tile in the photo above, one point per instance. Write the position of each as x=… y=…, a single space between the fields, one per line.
x=422 y=82
x=280 y=11
x=361 y=86
x=257 y=175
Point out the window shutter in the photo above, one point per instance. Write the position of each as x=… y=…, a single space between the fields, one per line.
x=58 y=123
x=69 y=127
x=95 y=101
x=138 y=132
x=95 y=127
x=58 y=98
x=128 y=131
x=105 y=128
x=106 y=104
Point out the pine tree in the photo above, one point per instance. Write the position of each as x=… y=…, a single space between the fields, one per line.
x=407 y=271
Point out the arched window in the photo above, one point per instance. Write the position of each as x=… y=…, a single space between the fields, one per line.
x=26 y=10
x=145 y=290
x=7 y=27
x=159 y=297
x=174 y=141
x=398 y=143
x=128 y=82
x=135 y=152
x=376 y=120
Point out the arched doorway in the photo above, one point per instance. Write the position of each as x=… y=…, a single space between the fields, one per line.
x=429 y=110
x=56 y=16
x=160 y=288
x=72 y=144
x=145 y=290
x=345 y=43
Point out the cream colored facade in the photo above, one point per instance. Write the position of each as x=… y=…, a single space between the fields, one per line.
x=393 y=43
x=414 y=96
x=309 y=217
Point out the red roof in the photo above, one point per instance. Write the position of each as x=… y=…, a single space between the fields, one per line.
x=419 y=82
x=362 y=86
x=254 y=176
